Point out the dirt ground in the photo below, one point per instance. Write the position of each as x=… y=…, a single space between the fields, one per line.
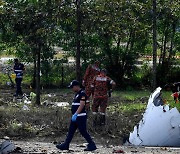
x=106 y=143
x=33 y=147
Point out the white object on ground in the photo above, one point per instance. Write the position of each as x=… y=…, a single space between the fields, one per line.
x=32 y=95
x=160 y=126
x=25 y=108
x=27 y=102
x=7 y=147
x=62 y=104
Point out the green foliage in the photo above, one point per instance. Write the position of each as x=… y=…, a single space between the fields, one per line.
x=127 y=108
x=114 y=32
x=131 y=95
x=3 y=79
x=164 y=75
x=57 y=73
x=172 y=104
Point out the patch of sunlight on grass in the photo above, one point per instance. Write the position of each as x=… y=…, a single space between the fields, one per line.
x=127 y=107
x=166 y=95
x=131 y=95
x=58 y=55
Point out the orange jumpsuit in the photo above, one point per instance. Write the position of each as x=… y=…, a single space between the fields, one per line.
x=100 y=85
x=90 y=73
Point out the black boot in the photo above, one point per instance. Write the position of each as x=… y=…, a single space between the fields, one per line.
x=95 y=120
x=91 y=147
x=102 y=120
x=63 y=146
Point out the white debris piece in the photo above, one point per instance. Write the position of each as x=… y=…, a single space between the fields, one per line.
x=160 y=126
x=62 y=104
x=32 y=95
x=25 y=108
x=7 y=147
x=27 y=102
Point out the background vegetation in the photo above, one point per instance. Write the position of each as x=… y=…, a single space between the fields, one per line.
x=46 y=34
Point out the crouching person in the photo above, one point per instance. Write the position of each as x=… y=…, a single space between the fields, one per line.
x=78 y=119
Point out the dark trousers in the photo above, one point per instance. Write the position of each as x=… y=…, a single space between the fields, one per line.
x=18 y=86
x=80 y=123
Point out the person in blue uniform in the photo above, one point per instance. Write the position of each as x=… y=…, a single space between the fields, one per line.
x=78 y=119
x=18 y=70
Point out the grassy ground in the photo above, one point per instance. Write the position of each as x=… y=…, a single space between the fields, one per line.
x=123 y=113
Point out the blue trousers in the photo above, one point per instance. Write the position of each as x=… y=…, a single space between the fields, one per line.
x=18 y=86
x=80 y=123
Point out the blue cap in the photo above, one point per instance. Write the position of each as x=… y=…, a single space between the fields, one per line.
x=74 y=83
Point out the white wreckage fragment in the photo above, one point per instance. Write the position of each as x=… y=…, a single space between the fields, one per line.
x=160 y=126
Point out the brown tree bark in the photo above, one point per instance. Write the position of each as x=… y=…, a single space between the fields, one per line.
x=154 y=45
x=172 y=43
x=38 y=76
x=164 y=48
x=78 y=41
x=34 y=72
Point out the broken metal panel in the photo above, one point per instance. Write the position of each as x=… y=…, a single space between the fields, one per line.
x=160 y=126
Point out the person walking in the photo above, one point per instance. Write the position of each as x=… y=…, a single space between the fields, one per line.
x=79 y=119
x=100 y=85
x=18 y=70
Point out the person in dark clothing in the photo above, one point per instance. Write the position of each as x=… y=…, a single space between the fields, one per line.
x=79 y=119
x=18 y=70
x=175 y=88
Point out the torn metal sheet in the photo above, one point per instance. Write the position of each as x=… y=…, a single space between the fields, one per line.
x=160 y=126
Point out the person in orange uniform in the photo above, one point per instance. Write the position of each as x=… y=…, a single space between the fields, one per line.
x=91 y=71
x=100 y=85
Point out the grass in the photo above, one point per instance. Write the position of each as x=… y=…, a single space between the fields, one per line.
x=3 y=79
x=123 y=113
x=132 y=95
x=127 y=108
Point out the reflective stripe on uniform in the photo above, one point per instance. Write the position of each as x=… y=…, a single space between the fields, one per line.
x=19 y=77
x=94 y=113
x=101 y=113
x=111 y=82
x=81 y=114
x=75 y=103
x=101 y=79
x=18 y=70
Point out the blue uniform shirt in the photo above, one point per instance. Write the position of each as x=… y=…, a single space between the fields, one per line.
x=18 y=70
x=76 y=102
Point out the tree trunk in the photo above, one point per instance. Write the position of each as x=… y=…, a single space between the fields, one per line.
x=164 y=48
x=107 y=48
x=154 y=45
x=132 y=40
x=78 y=43
x=129 y=40
x=172 y=42
x=160 y=57
x=62 y=75
x=118 y=47
x=34 y=72
x=38 y=76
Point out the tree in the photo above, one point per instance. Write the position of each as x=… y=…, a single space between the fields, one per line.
x=78 y=40
x=32 y=23
x=154 y=44
x=122 y=32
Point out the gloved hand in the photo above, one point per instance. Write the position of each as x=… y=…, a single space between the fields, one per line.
x=18 y=74
x=74 y=117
